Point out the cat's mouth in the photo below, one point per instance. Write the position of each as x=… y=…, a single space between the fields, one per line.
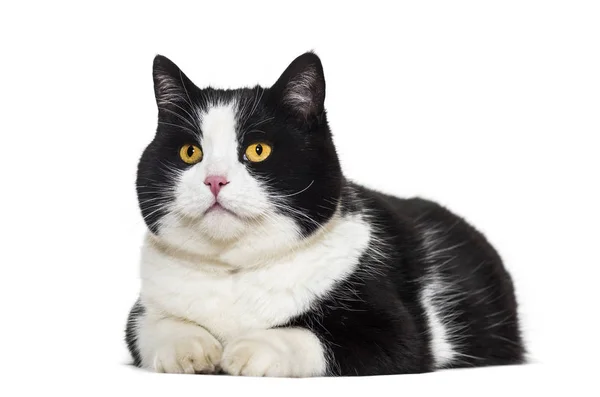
x=219 y=208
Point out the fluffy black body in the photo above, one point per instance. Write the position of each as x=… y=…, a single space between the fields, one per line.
x=375 y=321
x=380 y=327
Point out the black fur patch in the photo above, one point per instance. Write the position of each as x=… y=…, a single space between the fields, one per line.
x=136 y=312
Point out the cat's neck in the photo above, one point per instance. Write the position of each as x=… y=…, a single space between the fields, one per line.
x=267 y=243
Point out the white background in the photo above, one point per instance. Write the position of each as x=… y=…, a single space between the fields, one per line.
x=491 y=108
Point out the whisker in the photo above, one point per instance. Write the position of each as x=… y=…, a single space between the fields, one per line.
x=256 y=101
x=294 y=194
x=153 y=212
x=186 y=112
x=289 y=209
x=179 y=126
x=263 y=121
x=178 y=115
x=162 y=199
x=185 y=89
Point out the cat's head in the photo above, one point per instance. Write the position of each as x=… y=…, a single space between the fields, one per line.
x=226 y=163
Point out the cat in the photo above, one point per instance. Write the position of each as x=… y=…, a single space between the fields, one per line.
x=262 y=259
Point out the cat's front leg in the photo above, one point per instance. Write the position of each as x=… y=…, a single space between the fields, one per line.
x=172 y=345
x=277 y=352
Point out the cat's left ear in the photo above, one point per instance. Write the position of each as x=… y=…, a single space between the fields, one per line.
x=171 y=85
x=301 y=88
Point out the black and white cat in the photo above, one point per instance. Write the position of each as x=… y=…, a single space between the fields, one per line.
x=262 y=259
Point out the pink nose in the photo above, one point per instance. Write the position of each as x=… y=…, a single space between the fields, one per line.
x=215 y=183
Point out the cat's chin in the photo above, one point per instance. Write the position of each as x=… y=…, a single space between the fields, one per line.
x=217 y=224
x=222 y=224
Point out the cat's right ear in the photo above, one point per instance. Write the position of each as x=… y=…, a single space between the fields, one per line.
x=301 y=87
x=171 y=85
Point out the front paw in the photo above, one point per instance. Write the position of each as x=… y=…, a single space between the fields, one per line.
x=282 y=352
x=200 y=353
x=256 y=356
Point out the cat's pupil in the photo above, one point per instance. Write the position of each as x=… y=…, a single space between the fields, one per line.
x=259 y=149
x=190 y=151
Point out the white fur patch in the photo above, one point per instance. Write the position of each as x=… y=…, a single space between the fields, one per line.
x=209 y=290
x=280 y=352
x=439 y=298
x=218 y=291
x=440 y=345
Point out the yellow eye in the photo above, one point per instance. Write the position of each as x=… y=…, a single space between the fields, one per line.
x=190 y=154
x=258 y=152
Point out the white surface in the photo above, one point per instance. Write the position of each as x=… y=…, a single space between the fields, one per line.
x=491 y=109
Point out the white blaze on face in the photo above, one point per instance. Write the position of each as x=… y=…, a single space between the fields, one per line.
x=219 y=141
x=243 y=195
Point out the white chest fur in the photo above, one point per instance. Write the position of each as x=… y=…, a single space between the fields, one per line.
x=230 y=304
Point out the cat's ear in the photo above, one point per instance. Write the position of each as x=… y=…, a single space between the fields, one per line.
x=301 y=88
x=171 y=85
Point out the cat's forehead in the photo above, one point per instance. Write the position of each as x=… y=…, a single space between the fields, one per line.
x=219 y=121
x=225 y=115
